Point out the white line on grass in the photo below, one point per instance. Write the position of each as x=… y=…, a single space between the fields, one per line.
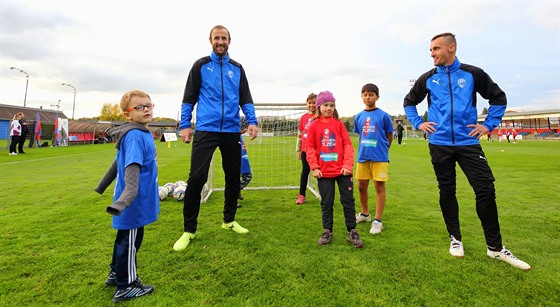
x=49 y=158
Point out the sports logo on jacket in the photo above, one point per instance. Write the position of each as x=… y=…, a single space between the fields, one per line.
x=461 y=82
x=230 y=74
x=328 y=139
x=328 y=156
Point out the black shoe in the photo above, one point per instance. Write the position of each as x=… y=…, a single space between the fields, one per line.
x=240 y=197
x=21 y=152
x=111 y=279
x=134 y=290
x=239 y=206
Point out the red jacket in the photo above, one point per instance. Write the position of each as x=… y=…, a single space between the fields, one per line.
x=328 y=147
x=304 y=123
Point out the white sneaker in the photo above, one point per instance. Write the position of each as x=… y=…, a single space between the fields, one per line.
x=506 y=256
x=361 y=218
x=456 y=248
x=376 y=227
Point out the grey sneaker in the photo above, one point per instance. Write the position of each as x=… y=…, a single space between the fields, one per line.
x=133 y=290
x=456 y=248
x=506 y=256
x=326 y=238
x=354 y=238
x=361 y=218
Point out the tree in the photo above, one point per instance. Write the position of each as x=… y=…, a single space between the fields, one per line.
x=425 y=117
x=348 y=123
x=163 y=119
x=484 y=111
x=111 y=112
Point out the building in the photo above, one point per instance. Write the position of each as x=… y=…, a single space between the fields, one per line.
x=48 y=118
x=79 y=132
x=540 y=121
x=542 y=124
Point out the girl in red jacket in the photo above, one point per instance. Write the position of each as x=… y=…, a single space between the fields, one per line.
x=331 y=158
x=304 y=123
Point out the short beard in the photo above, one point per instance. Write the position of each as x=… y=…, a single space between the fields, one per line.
x=225 y=51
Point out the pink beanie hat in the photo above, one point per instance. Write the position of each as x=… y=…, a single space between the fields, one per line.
x=324 y=97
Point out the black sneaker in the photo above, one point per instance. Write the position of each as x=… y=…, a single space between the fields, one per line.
x=133 y=291
x=111 y=279
x=240 y=197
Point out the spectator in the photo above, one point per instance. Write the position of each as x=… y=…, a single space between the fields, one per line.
x=15 y=133
x=489 y=137
x=399 y=133
x=24 y=132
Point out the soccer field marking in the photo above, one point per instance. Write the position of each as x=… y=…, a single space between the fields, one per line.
x=50 y=158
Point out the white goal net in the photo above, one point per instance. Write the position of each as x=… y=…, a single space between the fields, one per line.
x=272 y=156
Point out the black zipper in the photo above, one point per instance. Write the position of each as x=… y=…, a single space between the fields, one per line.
x=451 y=100
x=223 y=97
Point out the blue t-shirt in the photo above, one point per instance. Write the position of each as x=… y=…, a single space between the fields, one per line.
x=138 y=147
x=373 y=127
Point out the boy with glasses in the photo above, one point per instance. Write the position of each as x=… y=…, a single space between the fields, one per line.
x=136 y=198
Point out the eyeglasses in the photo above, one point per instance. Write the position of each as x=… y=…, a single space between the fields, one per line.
x=141 y=108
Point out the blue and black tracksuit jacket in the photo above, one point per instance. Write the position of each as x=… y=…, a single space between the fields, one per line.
x=451 y=92
x=219 y=86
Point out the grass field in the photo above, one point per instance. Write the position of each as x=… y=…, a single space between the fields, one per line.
x=56 y=239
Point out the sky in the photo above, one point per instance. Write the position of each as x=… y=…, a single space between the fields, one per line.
x=287 y=48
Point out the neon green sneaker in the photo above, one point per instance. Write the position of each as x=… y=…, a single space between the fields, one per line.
x=183 y=241
x=234 y=226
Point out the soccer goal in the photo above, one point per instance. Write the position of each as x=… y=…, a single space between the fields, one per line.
x=272 y=156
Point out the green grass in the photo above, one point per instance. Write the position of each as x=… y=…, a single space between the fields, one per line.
x=56 y=239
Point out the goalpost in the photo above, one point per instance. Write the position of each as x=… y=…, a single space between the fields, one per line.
x=272 y=155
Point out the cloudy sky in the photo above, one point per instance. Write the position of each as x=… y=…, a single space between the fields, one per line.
x=288 y=49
